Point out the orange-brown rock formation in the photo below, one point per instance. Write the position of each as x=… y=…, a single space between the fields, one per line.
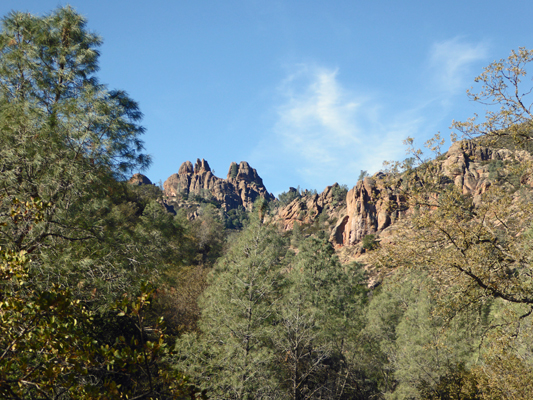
x=242 y=187
x=372 y=206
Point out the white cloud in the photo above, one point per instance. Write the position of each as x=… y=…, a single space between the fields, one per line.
x=451 y=61
x=325 y=132
x=317 y=115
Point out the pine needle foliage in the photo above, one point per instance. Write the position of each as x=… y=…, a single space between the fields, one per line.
x=66 y=141
x=230 y=359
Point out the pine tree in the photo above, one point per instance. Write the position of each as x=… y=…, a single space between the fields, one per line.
x=231 y=358
x=419 y=349
x=66 y=139
x=318 y=320
x=233 y=170
x=63 y=133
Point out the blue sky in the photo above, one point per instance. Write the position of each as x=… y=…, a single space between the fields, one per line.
x=308 y=92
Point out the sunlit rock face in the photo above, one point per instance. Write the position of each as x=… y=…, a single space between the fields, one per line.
x=310 y=207
x=139 y=179
x=242 y=186
x=372 y=207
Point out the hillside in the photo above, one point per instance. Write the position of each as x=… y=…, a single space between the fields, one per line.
x=416 y=284
x=371 y=207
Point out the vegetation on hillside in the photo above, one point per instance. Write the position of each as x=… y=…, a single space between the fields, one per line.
x=105 y=294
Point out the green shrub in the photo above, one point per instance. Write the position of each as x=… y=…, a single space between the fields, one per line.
x=369 y=242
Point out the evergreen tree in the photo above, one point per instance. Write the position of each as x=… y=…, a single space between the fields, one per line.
x=419 y=350
x=64 y=135
x=230 y=358
x=318 y=320
x=66 y=139
x=233 y=170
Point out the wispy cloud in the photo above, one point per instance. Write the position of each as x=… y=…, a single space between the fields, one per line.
x=451 y=62
x=326 y=131
x=317 y=115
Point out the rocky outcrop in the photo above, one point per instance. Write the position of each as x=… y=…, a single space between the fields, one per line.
x=372 y=207
x=309 y=207
x=139 y=179
x=468 y=164
x=242 y=187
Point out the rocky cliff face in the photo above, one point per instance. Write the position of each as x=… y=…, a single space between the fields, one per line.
x=242 y=186
x=310 y=208
x=372 y=207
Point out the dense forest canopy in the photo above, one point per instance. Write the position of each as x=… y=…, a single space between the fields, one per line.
x=106 y=294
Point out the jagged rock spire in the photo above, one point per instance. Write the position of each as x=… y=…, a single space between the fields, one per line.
x=241 y=188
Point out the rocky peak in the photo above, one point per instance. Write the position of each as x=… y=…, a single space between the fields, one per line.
x=243 y=172
x=241 y=188
x=249 y=174
x=201 y=166
x=372 y=207
x=186 y=168
x=139 y=179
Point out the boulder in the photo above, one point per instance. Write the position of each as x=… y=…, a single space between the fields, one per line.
x=139 y=179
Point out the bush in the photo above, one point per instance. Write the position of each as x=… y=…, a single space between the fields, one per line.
x=286 y=197
x=339 y=193
x=369 y=242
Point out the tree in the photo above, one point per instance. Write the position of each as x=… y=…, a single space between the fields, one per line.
x=64 y=134
x=477 y=249
x=53 y=347
x=66 y=140
x=362 y=175
x=339 y=193
x=233 y=170
x=418 y=352
x=208 y=232
x=229 y=358
x=318 y=321
x=278 y=325
x=481 y=244
x=75 y=239
x=286 y=197
x=502 y=86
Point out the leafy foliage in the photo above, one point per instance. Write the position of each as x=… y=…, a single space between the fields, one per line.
x=317 y=326
x=52 y=346
x=339 y=194
x=362 y=175
x=66 y=138
x=476 y=249
x=233 y=170
x=287 y=197
x=229 y=359
x=276 y=325
x=369 y=242
x=80 y=316
x=236 y=218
